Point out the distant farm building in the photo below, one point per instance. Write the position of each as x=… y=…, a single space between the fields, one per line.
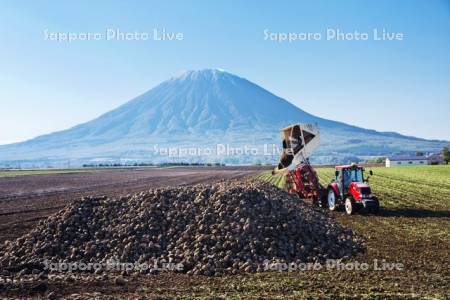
x=397 y=161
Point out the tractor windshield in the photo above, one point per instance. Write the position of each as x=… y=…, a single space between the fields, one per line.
x=353 y=175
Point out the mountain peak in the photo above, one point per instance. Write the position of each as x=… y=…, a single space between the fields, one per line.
x=211 y=74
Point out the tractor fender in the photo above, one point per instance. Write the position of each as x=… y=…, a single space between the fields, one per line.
x=333 y=186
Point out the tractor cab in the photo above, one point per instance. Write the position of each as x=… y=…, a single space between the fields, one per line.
x=350 y=188
x=350 y=175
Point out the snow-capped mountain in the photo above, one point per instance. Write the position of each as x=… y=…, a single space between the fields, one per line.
x=199 y=110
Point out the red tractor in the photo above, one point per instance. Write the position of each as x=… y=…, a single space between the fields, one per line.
x=351 y=189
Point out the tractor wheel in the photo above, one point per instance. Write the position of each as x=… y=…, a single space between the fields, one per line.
x=350 y=207
x=376 y=207
x=332 y=200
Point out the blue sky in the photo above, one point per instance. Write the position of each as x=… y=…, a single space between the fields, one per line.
x=401 y=86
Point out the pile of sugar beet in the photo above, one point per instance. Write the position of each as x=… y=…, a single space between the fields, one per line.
x=221 y=228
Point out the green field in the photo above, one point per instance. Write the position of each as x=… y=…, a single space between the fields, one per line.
x=425 y=187
x=412 y=228
x=277 y=180
x=14 y=173
x=418 y=187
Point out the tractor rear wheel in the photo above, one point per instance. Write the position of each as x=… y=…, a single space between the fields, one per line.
x=332 y=200
x=350 y=207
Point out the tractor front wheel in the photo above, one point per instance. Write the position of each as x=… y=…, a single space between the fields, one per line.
x=350 y=206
